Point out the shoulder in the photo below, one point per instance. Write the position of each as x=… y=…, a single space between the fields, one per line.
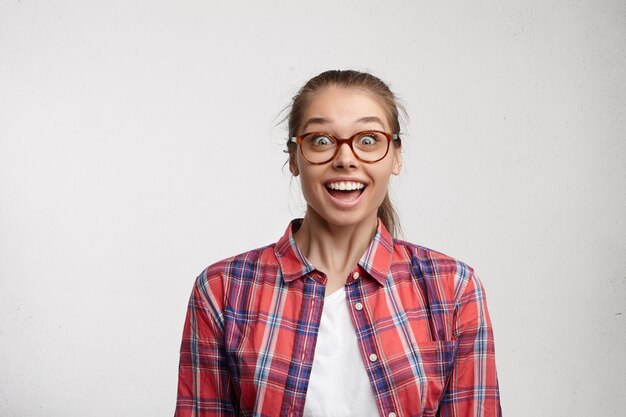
x=435 y=270
x=243 y=266
x=228 y=274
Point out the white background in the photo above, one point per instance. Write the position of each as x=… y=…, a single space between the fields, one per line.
x=140 y=142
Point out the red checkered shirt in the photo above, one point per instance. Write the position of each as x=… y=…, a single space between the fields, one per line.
x=420 y=318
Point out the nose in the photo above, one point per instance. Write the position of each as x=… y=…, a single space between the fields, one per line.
x=345 y=157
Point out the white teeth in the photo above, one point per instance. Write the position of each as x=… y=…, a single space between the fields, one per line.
x=345 y=186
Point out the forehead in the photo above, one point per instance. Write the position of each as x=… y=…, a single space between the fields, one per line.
x=344 y=106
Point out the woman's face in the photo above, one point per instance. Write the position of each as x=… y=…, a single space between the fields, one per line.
x=342 y=112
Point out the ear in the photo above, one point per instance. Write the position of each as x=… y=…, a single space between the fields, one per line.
x=397 y=160
x=293 y=164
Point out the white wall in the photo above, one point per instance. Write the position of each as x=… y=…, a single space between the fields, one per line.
x=138 y=144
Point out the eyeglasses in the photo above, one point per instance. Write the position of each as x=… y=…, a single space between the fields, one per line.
x=369 y=146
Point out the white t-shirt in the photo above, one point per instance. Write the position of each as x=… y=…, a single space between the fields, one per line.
x=339 y=385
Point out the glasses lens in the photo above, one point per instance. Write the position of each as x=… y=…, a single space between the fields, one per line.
x=370 y=146
x=318 y=148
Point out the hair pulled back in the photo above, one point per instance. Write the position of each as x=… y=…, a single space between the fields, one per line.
x=349 y=79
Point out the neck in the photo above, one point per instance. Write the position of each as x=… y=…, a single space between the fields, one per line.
x=334 y=250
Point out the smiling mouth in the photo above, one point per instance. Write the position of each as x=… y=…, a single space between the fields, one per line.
x=345 y=190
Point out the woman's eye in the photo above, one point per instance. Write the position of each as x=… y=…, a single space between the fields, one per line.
x=367 y=140
x=321 y=141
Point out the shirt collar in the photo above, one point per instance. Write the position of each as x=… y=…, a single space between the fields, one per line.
x=376 y=260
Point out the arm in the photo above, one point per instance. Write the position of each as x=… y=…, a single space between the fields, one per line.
x=472 y=389
x=204 y=387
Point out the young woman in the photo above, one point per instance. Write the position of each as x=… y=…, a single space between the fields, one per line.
x=338 y=318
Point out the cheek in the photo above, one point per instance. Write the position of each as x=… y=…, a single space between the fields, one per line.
x=308 y=182
x=382 y=181
x=383 y=187
x=384 y=172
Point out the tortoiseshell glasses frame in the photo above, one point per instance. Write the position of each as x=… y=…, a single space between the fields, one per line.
x=368 y=146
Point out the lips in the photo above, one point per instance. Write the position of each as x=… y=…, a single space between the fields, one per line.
x=345 y=185
x=345 y=192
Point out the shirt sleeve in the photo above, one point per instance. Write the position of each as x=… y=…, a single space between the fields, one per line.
x=204 y=387
x=472 y=389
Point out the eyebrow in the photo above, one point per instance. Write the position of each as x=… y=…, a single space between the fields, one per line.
x=324 y=120
x=316 y=121
x=371 y=119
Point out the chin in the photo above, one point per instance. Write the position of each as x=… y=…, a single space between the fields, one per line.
x=346 y=218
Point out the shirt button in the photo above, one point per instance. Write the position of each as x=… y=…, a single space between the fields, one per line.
x=358 y=306
x=373 y=357
x=392 y=414
x=356 y=275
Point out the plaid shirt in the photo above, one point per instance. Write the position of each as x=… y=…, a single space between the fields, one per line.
x=420 y=317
